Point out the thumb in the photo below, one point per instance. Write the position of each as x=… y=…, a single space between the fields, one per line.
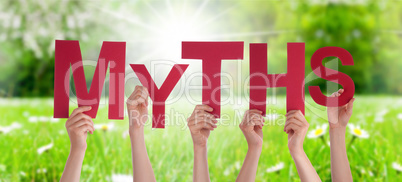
x=350 y=106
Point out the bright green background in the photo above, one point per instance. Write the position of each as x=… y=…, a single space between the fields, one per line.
x=153 y=30
x=170 y=149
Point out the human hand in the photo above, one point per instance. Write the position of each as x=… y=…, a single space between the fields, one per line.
x=251 y=126
x=200 y=123
x=338 y=117
x=137 y=108
x=296 y=127
x=77 y=125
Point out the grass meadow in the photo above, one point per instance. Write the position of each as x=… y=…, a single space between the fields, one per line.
x=26 y=126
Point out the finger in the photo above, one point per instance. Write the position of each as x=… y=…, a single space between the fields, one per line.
x=349 y=108
x=207 y=120
x=134 y=93
x=203 y=120
x=258 y=118
x=299 y=116
x=204 y=108
x=205 y=114
x=292 y=127
x=87 y=128
x=293 y=121
x=255 y=111
x=82 y=122
x=145 y=94
x=141 y=99
x=340 y=91
x=202 y=125
x=290 y=112
x=80 y=110
x=78 y=117
x=258 y=122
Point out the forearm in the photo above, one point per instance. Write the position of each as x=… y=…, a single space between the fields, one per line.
x=142 y=168
x=200 y=169
x=249 y=169
x=72 y=170
x=304 y=167
x=339 y=160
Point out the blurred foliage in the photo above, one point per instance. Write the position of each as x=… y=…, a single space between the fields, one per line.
x=30 y=29
x=369 y=30
x=360 y=29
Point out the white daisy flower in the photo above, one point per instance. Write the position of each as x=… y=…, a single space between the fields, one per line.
x=25 y=132
x=54 y=120
x=104 y=126
x=7 y=129
x=226 y=172
x=237 y=165
x=399 y=116
x=33 y=119
x=125 y=134
x=43 y=118
x=319 y=131
x=276 y=167
x=87 y=167
x=26 y=113
x=62 y=132
x=122 y=178
x=41 y=170
x=379 y=117
x=3 y=167
x=22 y=173
x=397 y=167
x=357 y=131
x=45 y=148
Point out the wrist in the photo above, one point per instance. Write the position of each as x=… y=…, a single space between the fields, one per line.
x=78 y=150
x=199 y=145
x=255 y=148
x=337 y=131
x=297 y=152
x=200 y=149
x=136 y=131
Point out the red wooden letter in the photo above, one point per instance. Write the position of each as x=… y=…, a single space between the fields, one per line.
x=293 y=80
x=332 y=75
x=212 y=54
x=68 y=53
x=159 y=96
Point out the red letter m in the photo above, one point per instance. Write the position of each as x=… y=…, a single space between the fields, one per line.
x=68 y=53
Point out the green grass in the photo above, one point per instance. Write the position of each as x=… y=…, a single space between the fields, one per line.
x=170 y=149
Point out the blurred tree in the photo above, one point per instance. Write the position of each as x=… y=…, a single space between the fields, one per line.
x=368 y=29
x=30 y=29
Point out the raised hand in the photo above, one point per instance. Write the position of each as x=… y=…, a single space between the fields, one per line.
x=296 y=127
x=78 y=125
x=251 y=126
x=339 y=116
x=137 y=107
x=200 y=123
